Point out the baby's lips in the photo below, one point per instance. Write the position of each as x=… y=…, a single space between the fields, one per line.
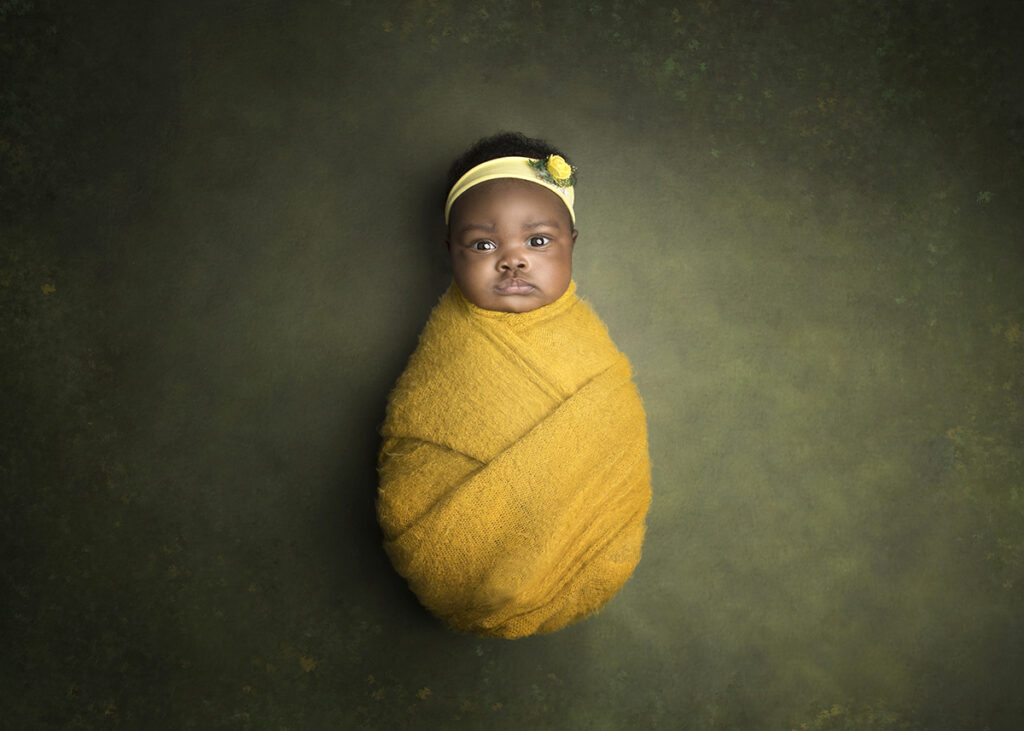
x=514 y=286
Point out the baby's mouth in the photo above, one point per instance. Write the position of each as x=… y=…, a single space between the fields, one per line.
x=514 y=285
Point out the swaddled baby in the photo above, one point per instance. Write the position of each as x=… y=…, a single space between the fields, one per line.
x=514 y=471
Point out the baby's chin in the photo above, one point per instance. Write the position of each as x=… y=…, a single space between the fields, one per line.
x=516 y=304
x=520 y=309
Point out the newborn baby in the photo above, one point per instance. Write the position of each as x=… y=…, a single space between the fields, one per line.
x=514 y=471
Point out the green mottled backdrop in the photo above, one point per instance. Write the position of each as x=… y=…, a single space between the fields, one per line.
x=220 y=235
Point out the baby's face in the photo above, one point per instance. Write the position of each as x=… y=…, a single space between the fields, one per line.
x=511 y=243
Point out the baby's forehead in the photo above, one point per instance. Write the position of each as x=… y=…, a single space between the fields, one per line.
x=511 y=194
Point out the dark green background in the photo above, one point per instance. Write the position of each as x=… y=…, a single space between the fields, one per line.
x=221 y=234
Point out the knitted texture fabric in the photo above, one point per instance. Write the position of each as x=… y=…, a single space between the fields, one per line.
x=514 y=468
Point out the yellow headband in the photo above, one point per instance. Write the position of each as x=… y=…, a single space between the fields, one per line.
x=549 y=173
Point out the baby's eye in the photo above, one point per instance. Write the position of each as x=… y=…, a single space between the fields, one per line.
x=483 y=245
x=536 y=241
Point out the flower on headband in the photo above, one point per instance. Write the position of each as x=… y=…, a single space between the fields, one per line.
x=555 y=170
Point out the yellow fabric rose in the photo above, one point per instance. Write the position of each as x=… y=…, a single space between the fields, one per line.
x=559 y=168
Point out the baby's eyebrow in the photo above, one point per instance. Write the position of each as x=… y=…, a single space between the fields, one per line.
x=476 y=227
x=541 y=224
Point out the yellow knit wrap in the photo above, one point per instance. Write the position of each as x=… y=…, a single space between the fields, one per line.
x=514 y=470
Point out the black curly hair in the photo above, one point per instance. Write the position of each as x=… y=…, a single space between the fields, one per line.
x=503 y=144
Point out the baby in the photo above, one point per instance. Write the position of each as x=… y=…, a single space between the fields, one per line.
x=511 y=227
x=514 y=468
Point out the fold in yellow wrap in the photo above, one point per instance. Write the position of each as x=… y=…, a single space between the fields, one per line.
x=514 y=470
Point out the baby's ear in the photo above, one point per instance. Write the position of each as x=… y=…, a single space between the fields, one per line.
x=575 y=233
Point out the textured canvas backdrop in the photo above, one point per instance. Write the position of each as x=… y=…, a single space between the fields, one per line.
x=221 y=234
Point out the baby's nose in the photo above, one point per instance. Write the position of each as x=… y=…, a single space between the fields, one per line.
x=513 y=261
